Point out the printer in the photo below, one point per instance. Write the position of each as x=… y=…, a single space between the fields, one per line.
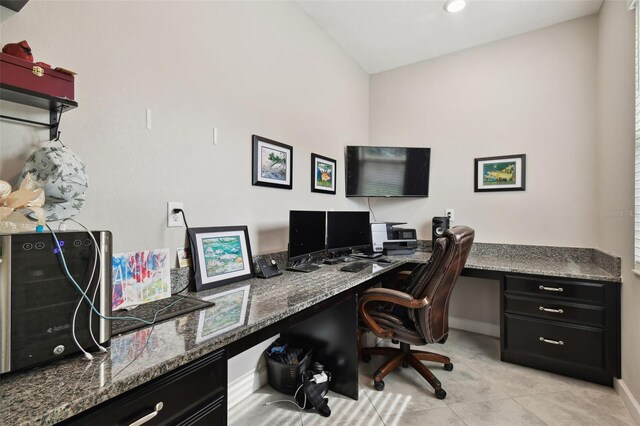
x=387 y=238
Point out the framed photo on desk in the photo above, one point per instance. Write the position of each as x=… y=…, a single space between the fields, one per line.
x=222 y=255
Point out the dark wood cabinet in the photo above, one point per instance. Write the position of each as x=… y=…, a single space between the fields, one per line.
x=566 y=326
x=195 y=394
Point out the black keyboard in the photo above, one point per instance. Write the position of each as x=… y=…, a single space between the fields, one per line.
x=304 y=267
x=355 y=266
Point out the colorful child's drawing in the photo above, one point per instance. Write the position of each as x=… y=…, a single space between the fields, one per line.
x=140 y=277
x=222 y=255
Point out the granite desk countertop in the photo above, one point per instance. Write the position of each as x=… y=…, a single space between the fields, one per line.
x=49 y=394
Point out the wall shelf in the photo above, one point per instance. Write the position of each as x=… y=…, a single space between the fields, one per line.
x=56 y=106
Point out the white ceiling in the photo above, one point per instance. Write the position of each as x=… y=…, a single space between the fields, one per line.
x=381 y=35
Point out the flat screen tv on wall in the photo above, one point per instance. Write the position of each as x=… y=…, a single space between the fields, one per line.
x=385 y=171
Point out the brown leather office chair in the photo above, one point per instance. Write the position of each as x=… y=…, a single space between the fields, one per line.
x=416 y=312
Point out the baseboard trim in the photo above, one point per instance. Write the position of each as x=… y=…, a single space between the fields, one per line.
x=479 y=327
x=628 y=399
x=245 y=385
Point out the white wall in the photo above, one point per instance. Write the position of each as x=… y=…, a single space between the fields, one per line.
x=616 y=170
x=243 y=67
x=533 y=94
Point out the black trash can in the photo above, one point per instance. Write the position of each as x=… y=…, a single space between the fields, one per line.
x=285 y=377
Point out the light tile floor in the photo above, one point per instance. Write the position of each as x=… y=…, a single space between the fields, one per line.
x=481 y=390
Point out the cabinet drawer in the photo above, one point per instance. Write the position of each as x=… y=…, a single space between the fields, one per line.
x=555 y=310
x=563 y=342
x=198 y=387
x=213 y=413
x=570 y=290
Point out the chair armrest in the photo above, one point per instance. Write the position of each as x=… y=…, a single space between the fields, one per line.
x=386 y=295
x=392 y=296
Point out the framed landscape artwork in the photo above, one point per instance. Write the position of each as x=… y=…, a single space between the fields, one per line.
x=503 y=173
x=323 y=174
x=272 y=163
x=222 y=255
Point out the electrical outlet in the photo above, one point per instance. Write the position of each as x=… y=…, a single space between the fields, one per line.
x=174 y=219
x=451 y=214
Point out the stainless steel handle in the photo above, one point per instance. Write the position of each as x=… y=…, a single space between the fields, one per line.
x=559 y=289
x=553 y=311
x=552 y=342
x=143 y=420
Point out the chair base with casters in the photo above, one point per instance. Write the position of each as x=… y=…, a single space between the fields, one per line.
x=406 y=357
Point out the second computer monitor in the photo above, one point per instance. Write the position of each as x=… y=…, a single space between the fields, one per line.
x=347 y=231
x=306 y=233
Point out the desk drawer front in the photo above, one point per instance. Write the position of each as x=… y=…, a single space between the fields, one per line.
x=570 y=290
x=555 y=310
x=175 y=398
x=571 y=343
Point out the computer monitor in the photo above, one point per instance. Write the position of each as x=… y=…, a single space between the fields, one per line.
x=306 y=233
x=347 y=231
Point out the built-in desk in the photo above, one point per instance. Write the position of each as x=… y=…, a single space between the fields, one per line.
x=58 y=391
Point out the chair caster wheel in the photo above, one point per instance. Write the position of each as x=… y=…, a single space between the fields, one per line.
x=394 y=341
x=441 y=394
x=448 y=367
x=405 y=364
x=378 y=385
x=365 y=357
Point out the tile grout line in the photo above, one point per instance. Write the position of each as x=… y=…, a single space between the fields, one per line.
x=372 y=404
x=397 y=414
x=529 y=411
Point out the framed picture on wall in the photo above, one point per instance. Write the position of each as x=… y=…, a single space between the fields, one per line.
x=222 y=255
x=272 y=163
x=323 y=174
x=503 y=173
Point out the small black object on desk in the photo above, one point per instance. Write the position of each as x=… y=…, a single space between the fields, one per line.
x=303 y=267
x=355 y=266
x=267 y=269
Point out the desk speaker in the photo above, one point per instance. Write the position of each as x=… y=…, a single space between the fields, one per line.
x=439 y=224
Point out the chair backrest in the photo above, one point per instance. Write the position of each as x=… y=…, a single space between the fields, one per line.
x=437 y=280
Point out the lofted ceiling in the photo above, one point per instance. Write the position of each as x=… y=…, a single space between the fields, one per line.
x=381 y=35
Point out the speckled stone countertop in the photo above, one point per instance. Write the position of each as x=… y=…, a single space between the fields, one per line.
x=563 y=262
x=52 y=393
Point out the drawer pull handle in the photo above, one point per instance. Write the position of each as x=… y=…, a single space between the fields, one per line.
x=552 y=342
x=143 y=420
x=553 y=311
x=558 y=289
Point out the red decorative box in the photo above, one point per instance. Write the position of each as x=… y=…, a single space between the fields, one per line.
x=27 y=75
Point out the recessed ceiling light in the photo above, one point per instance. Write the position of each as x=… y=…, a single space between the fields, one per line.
x=454 y=6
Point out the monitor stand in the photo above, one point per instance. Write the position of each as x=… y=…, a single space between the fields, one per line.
x=366 y=255
x=303 y=267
